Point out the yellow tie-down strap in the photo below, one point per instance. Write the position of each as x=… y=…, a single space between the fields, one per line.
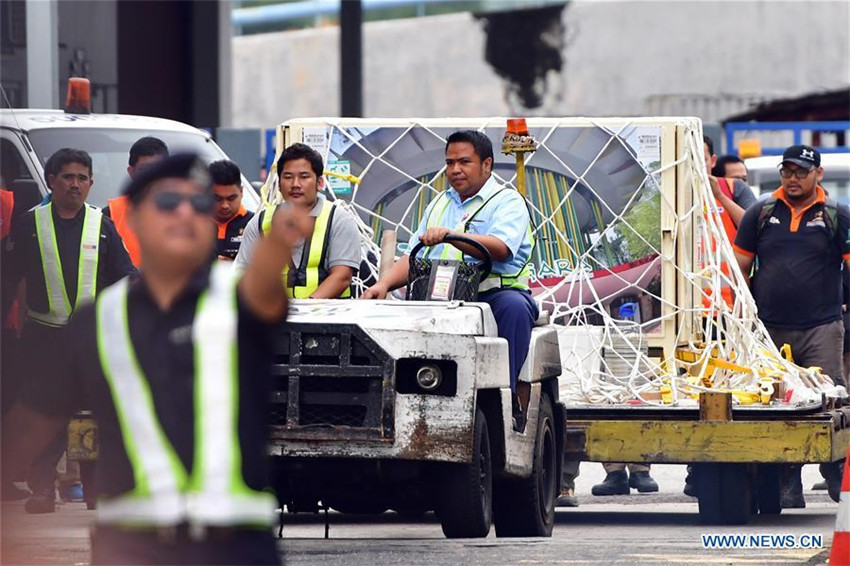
x=712 y=363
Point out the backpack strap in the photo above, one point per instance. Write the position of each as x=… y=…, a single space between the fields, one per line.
x=830 y=217
x=768 y=205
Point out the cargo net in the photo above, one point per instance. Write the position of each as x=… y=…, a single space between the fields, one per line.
x=640 y=320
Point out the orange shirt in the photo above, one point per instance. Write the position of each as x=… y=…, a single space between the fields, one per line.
x=118 y=212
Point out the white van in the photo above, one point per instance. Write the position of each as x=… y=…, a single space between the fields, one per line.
x=31 y=136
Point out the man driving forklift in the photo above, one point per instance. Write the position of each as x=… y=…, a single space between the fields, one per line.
x=478 y=207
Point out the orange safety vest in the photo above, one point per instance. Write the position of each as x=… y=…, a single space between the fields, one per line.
x=222 y=226
x=12 y=319
x=726 y=186
x=118 y=212
x=7 y=204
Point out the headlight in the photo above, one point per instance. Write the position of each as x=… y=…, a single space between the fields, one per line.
x=429 y=377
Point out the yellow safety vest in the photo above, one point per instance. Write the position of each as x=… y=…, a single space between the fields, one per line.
x=59 y=304
x=165 y=494
x=306 y=279
x=517 y=280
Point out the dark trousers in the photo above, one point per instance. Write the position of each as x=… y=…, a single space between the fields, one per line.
x=821 y=346
x=35 y=345
x=515 y=312
x=115 y=546
x=42 y=476
x=10 y=375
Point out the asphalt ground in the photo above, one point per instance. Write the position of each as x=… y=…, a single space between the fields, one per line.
x=660 y=528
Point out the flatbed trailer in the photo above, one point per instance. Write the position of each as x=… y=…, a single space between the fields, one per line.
x=736 y=455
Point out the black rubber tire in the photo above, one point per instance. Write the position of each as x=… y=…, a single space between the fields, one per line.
x=724 y=492
x=769 y=489
x=526 y=507
x=465 y=496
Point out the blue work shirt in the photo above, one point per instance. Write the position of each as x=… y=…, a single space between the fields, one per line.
x=504 y=217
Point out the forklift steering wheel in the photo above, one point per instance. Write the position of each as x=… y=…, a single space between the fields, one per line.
x=486 y=266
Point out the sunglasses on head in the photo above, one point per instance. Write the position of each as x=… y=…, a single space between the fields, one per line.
x=168 y=201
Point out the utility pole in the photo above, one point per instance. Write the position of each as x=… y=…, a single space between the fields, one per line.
x=351 y=58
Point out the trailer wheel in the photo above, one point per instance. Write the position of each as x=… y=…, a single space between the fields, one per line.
x=526 y=507
x=465 y=494
x=724 y=492
x=769 y=489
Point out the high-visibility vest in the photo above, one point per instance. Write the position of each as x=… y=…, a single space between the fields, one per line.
x=517 y=280
x=118 y=213
x=7 y=205
x=59 y=305
x=304 y=281
x=726 y=292
x=165 y=494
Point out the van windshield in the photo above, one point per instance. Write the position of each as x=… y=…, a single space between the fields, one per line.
x=110 y=147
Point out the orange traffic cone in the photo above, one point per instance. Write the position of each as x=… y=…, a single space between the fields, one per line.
x=840 y=554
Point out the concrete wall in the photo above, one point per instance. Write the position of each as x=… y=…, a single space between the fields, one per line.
x=704 y=58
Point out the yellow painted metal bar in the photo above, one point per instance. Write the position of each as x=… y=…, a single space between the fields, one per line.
x=520 y=172
x=669 y=441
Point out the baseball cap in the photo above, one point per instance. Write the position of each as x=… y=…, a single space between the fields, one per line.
x=802 y=155
x=179 y=166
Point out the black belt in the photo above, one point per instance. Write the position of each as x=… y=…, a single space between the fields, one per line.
x=177 y=534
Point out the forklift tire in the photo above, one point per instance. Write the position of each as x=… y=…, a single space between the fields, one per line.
x=526 y=507
x=465 y=493
x=769 y=489
x=724 y=492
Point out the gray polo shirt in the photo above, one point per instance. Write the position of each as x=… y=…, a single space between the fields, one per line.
x=343 y=244
x=742 y=194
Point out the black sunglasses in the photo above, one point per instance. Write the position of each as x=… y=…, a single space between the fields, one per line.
x=202 y=203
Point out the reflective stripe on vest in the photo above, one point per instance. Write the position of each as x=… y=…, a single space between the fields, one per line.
x=59 y=305
x=164 y=494
x=312 y=266
x=519 y=280
x=118 y=213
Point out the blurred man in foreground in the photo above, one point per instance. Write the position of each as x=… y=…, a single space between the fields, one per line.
x=174 y=364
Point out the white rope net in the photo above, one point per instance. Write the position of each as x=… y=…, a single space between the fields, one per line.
x=631 y=259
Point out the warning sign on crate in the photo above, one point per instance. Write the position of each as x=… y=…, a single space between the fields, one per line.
x=337 y=176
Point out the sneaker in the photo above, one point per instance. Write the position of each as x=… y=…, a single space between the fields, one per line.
x=643 y=482
x=73 y=492
x=41 y=503
x=567 y=498
x=819 y=486
x=615 y=483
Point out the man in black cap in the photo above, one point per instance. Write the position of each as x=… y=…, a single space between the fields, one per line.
x=174 y=362
x=801 y=238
